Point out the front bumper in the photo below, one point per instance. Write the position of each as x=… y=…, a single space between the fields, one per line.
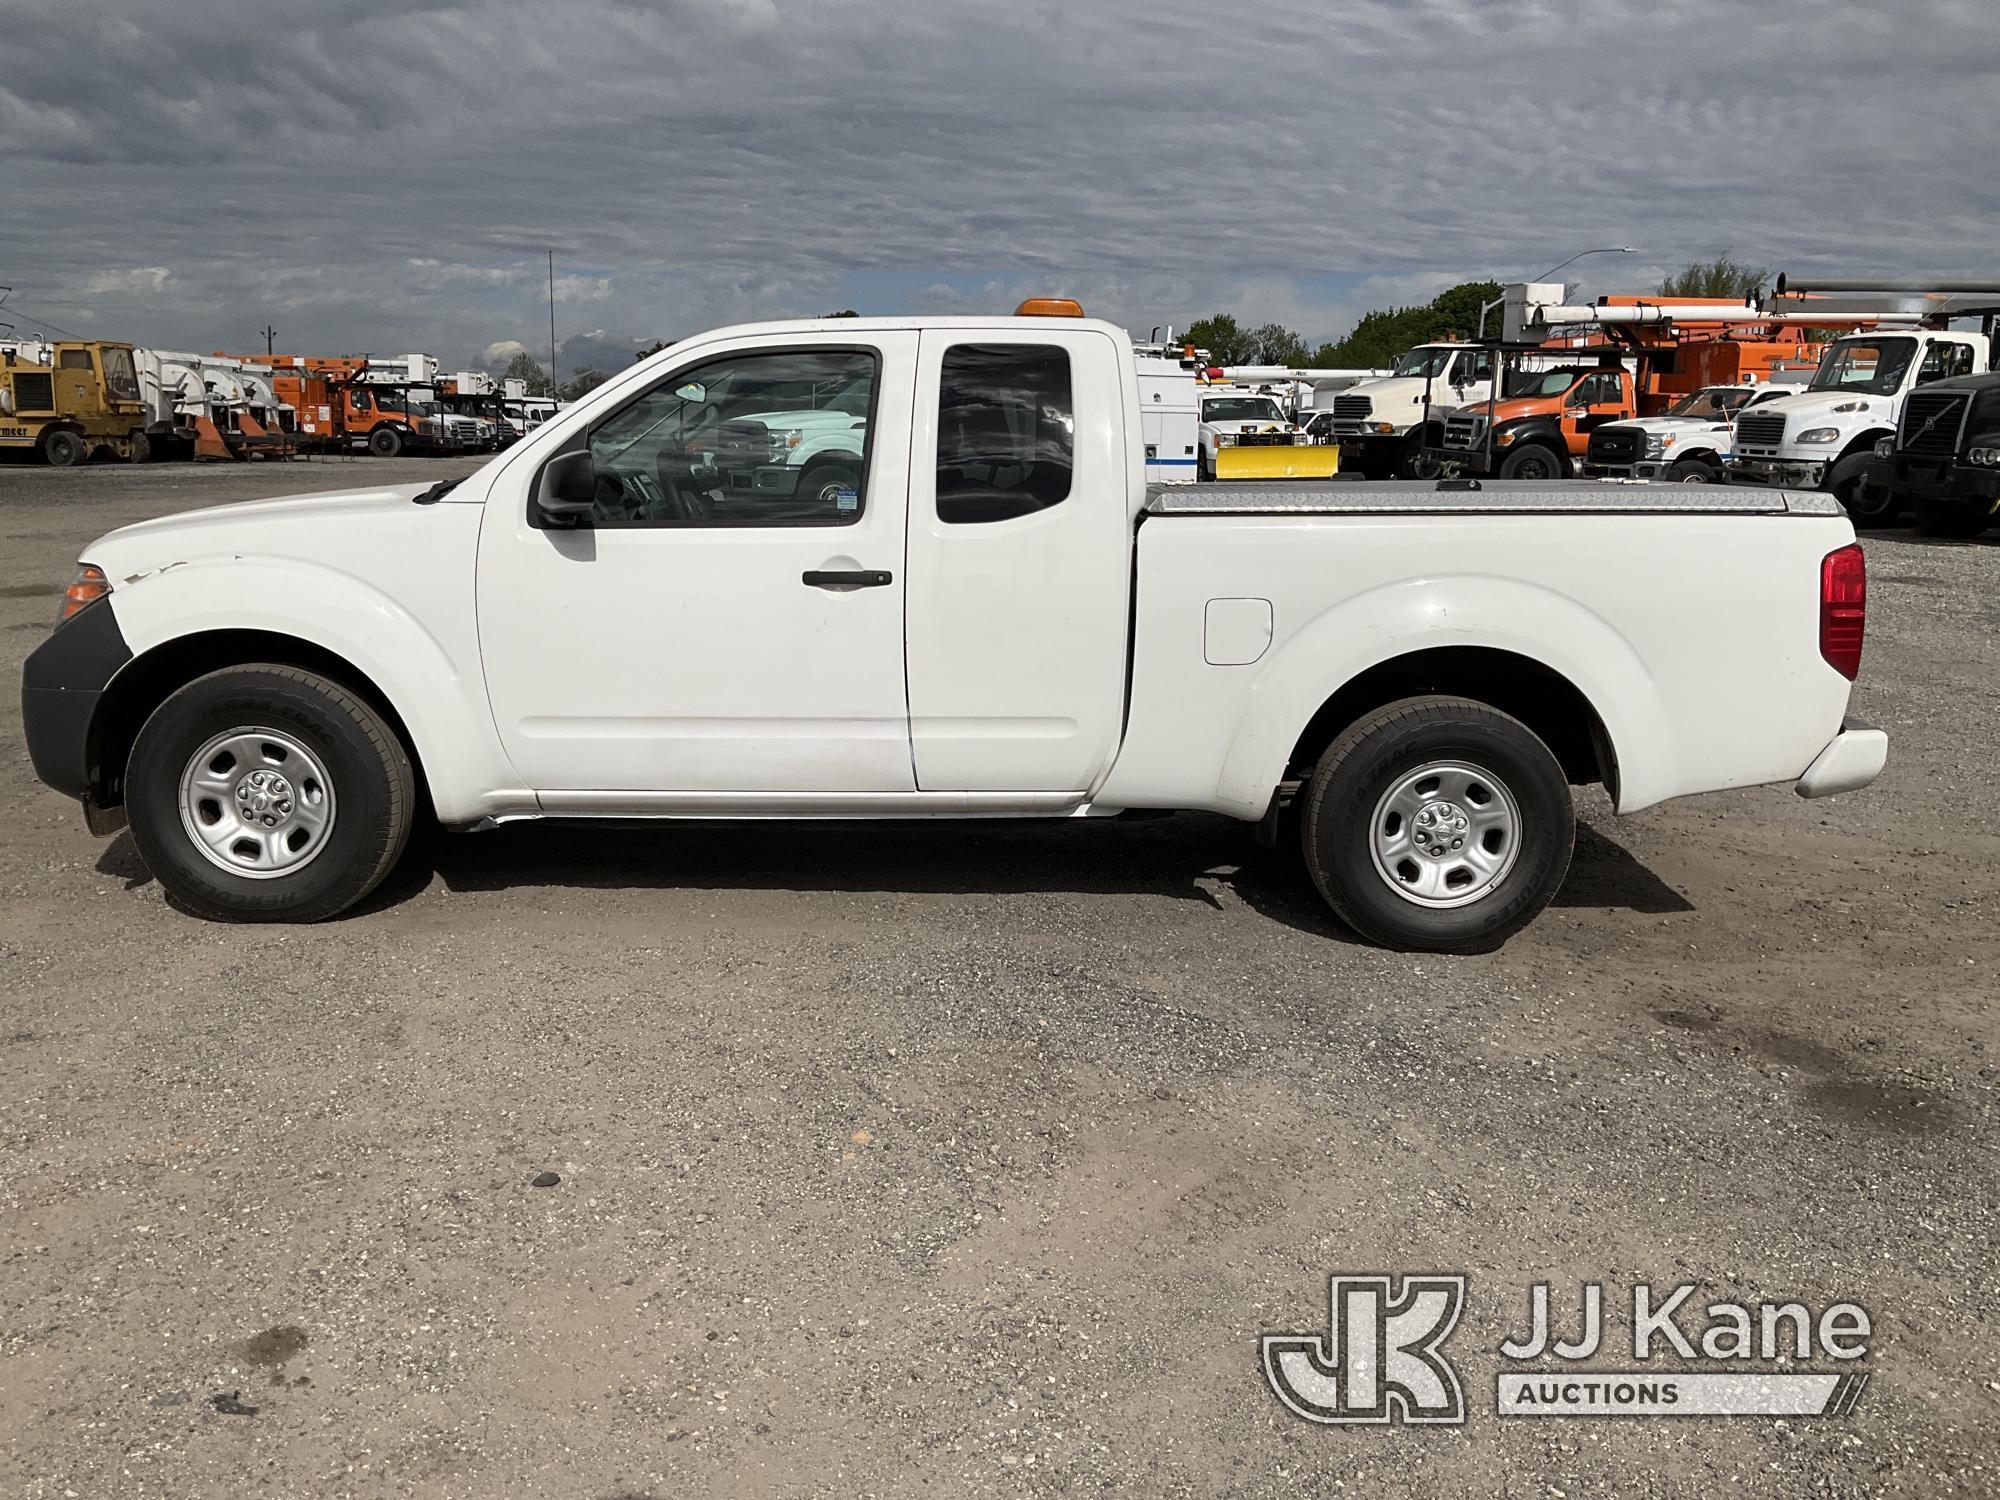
x=1647 y=469
x=1851 y=760
x=1941 y=480
x=1785 y=473
x=62 y=682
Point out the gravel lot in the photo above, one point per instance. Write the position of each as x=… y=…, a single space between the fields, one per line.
x=950 y=1159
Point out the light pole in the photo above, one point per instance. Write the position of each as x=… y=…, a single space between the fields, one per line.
x=1487 y=307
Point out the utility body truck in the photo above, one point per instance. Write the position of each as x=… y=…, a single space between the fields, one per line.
x=999 y=618
x=1687 y=444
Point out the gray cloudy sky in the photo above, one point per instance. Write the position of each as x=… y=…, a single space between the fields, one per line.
x=388 y=177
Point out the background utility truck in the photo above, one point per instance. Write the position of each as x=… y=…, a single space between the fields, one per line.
x=1002 y=619
x=1686 y=444
x=65 y=402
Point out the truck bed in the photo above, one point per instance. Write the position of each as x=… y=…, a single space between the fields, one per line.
x=1491 y=497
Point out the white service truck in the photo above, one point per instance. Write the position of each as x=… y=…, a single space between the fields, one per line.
x=1232 y=415
x=1385 y=423
x=1688 y=443
x=1001 y=618
x=1823 y=436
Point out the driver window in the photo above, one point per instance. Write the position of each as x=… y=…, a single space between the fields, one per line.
x=777 y=439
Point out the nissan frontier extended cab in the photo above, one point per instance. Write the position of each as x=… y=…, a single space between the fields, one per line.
x=998 y=617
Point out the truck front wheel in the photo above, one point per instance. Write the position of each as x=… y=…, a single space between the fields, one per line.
x=1535 y=461
x=1438 y=825
x=263 y=793
x=1866 y=503
x=385 y=442
x=64 y=449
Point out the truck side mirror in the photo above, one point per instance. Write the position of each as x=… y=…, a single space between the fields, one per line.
x=567 y=489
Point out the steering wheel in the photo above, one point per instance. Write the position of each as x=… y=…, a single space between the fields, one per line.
x=677 y=482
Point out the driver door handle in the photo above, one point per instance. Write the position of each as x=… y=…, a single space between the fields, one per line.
x=856 y=578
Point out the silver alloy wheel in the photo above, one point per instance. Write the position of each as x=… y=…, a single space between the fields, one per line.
x=257 y=803
x=1445 y=834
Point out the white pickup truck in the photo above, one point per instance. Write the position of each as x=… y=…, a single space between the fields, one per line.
x=999 y=619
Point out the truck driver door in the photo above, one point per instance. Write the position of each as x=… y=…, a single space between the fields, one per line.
x=1595 y=400
x=729 y=619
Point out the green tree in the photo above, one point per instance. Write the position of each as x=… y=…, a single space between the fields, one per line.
x=844 y=313
x=523 y=367
x=1225 y=342
x=1724 y=279
x=1275 y=344
x=582 y=384
x=644 y=354
x=1385 y=334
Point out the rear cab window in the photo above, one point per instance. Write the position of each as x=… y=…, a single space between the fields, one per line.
x=1006 y=431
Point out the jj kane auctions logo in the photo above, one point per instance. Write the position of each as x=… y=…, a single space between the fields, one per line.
x=1382 y=1357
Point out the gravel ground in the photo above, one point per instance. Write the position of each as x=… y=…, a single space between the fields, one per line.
x=946 y=1159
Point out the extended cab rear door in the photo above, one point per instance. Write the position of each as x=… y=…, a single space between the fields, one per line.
x=1020 y=536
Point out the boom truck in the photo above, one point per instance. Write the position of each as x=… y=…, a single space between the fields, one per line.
x=1566 y=372
x=381 y=406
x=1826 y=435
x=67 y=401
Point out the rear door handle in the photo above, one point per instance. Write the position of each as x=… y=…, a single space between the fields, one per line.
x=853 y=578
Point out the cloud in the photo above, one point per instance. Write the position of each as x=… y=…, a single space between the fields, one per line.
x=500 y=351
x=383 y=176
x=137 y=279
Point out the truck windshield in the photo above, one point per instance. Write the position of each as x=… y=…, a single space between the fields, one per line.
x=1542 y=383
x=1709 y=401
x=120 y=379
x=1424 y=364
x=1873 y=366
x=1240 y=409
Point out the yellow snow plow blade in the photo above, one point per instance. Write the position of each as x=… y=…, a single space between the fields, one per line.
x=1277 y=461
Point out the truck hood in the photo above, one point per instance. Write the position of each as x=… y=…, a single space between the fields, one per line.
x=252 y=526
x=1822 y=403
x=1498 y=412
x=1399 y=390
x=1678 y=426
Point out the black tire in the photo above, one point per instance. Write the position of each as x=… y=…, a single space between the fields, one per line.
x=1420 y=461
x=1368 y=760
x=1695 y=471
x=817 y=484
x=1536 y=461
x=1866 y=504
x=65 y=449
x=141 y=450
x=1940 y=517
x=385 y=442
x=372 y=786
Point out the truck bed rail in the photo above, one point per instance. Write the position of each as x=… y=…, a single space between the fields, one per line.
x=1489 y=497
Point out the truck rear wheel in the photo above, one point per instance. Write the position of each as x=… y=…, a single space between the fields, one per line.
x=263 y=793
x=1937 y=516
x=64 y=449
x=1535 y=461
x=385 y=442
x=141 y=449
x=1438 y=825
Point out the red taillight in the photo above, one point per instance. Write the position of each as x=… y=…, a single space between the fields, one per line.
x=1843 y=608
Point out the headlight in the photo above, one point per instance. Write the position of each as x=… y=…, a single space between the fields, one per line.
x=1657 y=445
x=1224 y=439
x=1382 y=426
x=786 y=438
x=1986 y=457
x=1818 y=435
x=1886 y=448
x=1852 y=406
